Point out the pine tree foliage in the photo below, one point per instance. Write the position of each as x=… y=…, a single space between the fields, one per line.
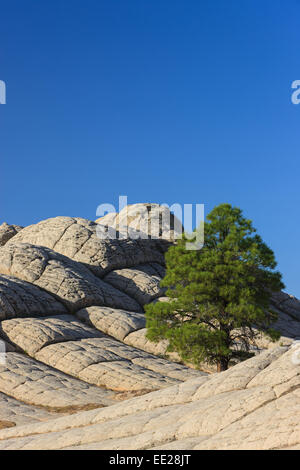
x=219 y=295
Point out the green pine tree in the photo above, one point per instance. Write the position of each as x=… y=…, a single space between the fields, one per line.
x=219 y=295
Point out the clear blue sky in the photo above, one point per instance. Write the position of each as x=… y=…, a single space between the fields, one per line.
x=160 y=100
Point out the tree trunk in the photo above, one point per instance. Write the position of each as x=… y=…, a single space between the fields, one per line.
x=222 y=365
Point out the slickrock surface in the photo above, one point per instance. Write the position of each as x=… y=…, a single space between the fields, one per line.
x=138 y=340
x=18 y=413
x=105 y=362
x=77 y=238
x=83 y=352
x=114 y=322
x=287 y=304
x=74 y=332
x=128 y=327
x=19 y=298
x=231 y=410
x=36 y=384
x=7 y=232
x=32 y=334
x=70 y=282
x=287 y=308
x=141 y=283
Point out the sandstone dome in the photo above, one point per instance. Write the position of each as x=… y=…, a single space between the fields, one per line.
x=144 y=220
x=79 y=372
